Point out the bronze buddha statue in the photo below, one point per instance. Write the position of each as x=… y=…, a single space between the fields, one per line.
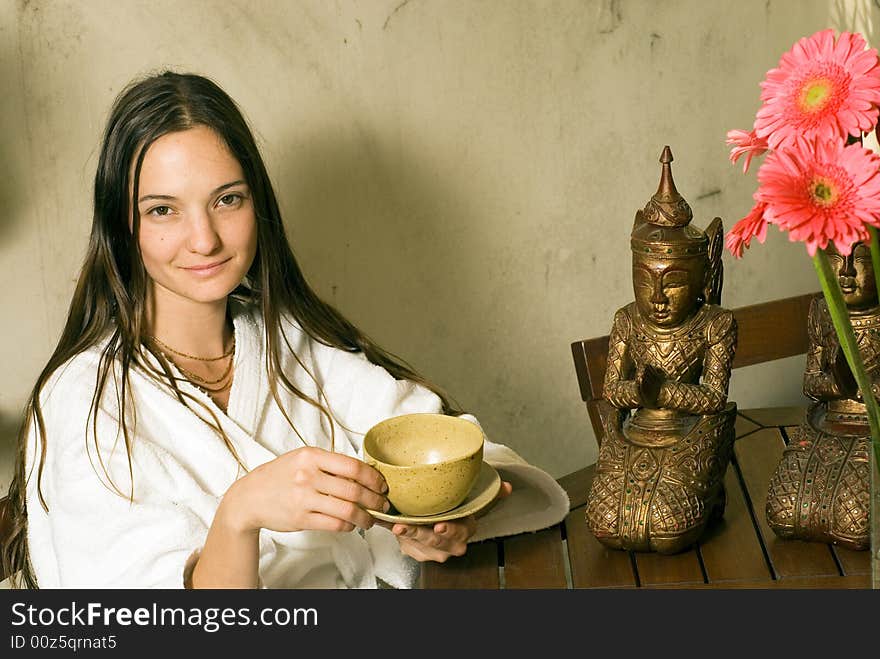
x=821 y=488
x=668 y=427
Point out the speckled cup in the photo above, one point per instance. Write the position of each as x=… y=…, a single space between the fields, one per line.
x=430 y=461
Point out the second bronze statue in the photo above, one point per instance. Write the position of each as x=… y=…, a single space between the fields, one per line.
x=821 y=489
x=668 y=427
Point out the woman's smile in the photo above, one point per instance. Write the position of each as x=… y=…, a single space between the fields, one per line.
x=207 y=269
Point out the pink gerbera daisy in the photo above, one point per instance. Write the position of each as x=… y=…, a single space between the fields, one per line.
x=821 y=88
x=747 y=144
x=751 y=226
x=821 y=191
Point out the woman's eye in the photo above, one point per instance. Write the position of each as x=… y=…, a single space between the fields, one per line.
x=160 y=211
x=229 y=199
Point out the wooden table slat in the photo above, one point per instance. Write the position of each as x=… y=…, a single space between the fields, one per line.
x=593 y=565
x=744 y=426
x=535 y=560
x=731 y=548
x=855 y=581
x=478 y=568
x=655 y=569
x=853 y=562
x=757 y=456
x=577 y=485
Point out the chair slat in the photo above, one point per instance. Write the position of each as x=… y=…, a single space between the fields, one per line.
x=772 y=330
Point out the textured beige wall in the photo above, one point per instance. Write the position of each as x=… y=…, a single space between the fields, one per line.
x=459 y=177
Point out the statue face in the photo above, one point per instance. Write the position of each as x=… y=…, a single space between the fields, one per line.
x=667 y=290
x=855 y=275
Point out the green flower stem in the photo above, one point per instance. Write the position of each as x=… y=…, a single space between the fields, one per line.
x=875 y=257
x=874 y=509
x=843 y=327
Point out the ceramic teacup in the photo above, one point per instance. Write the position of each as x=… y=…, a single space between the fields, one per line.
x=430 y=461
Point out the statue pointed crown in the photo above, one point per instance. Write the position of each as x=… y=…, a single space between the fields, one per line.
x=662 y=228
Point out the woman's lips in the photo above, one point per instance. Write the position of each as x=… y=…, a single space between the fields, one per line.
x=207 y=269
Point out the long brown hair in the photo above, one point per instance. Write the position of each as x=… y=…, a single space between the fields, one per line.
x=110 y=294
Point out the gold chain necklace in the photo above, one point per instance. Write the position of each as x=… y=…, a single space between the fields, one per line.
x=198 y=378
x=167 y=347
x=209 y=390
x=198 y=381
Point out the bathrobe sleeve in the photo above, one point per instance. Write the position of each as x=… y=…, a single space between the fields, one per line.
x=94 y=535
x=362 y=394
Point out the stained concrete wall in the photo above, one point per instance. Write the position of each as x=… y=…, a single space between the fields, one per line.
x=459 y=177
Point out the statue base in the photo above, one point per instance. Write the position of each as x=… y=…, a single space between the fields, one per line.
x=821 y=489
x=659 y=497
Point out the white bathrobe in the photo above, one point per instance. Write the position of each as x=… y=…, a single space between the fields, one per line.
x=92 y=537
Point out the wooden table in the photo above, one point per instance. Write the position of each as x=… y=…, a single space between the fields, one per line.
x=739 y=551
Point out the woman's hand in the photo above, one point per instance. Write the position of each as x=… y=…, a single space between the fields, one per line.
x=439 y=541
x=306 y=489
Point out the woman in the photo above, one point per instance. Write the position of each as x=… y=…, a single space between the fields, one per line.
x=199 y=423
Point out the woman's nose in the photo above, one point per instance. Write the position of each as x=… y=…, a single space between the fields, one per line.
x=203 y=236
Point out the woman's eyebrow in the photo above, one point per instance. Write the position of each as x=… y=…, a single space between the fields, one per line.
x=221 y=188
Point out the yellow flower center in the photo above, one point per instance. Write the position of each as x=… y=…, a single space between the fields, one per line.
x=815 y=94
x=823 y=192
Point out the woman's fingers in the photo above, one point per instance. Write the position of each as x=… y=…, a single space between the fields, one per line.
x=336 y=490
x=458 y=531
x=448 y=537
x=345 y=511
x=351 y=468
x=349 y=490
x=416 y=551
x=320 y=522
x=425 y=552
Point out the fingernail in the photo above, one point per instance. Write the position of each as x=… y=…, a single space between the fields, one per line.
x=387 y=506
x=384 y=487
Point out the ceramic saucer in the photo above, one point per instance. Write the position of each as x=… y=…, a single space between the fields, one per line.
x=481 y=495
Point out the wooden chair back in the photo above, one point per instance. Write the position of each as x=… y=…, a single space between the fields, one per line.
x=765 y=332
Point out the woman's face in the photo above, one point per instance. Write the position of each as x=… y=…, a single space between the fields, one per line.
x=198 y=231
